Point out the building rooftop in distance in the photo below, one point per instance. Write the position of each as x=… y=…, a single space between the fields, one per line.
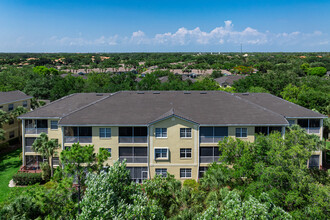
x=13 y=96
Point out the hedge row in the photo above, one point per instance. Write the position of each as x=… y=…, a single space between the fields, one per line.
x=24 y=179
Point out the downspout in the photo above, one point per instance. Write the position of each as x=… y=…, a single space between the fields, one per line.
x=148 y=153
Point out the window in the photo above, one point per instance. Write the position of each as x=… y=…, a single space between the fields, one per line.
x=162 y=172
x=11 y=121
x=105 y=132
x=54 y=125
x=161 y=132
x=241 y=132
x=185 y=153
x=11 y=134
x=291 y=122
x=314 y=161
x=1 y=106
x=10 y=107
x=24 y=103
x=185 y=132
x=161 y=153
x=185 y=173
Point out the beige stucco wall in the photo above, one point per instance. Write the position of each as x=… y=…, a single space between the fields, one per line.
x=173 y=142
x=16 y=126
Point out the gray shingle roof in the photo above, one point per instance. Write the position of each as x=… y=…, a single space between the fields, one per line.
x=65 y=105
x=12 y=96
x=142 y=108
x=280 y=106
x=229 y=80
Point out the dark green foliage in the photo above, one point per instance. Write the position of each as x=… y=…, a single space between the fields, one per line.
x=24 y=179
x=46 y=173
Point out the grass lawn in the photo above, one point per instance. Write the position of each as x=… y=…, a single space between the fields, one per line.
x=9 y=164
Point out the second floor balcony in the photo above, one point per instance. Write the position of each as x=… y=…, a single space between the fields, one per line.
x=312 y=126
x=78 y=134
x=209 y=154
x=133 y=135
x=133 y=154
x=212 y=134
x=36 y=126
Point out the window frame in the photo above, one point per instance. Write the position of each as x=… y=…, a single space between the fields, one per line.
x=105 y=132
x=161 y=131
x=185 y=171
x=25 y=104
x=162 y=149
x=241 y=132
x=109 y=149
x=11 y=134
x=10 y=107
x=161 y=173
x=185 y=153
x=185 y=132
x=51 y=125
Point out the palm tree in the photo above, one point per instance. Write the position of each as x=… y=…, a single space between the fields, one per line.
x=46 y=148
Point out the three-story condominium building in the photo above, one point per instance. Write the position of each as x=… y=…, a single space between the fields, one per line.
x=160 y=132
x=9 y=101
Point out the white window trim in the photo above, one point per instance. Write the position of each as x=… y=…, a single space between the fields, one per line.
x=186 y=173
x=247 y=134
x=161 y=133
x=185 y=157
x=186 y=133
x=161 y=174
x=54 y=129
x=161 y=158
x=105 y=133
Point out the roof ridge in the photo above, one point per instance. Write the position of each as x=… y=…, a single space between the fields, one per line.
x=252 y=103
x=85 y=106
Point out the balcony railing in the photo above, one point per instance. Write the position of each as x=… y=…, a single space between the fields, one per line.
x=208 y=159
x=315 y=130
x=134 y=159
x=28 y=149
x=132 y=139
x=36 y=130
x=210 y=139
x=80 y=139
x=56 y=161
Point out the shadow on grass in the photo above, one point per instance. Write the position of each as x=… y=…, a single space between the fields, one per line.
x=8 y=160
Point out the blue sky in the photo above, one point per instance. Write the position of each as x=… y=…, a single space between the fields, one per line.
x=164 y=26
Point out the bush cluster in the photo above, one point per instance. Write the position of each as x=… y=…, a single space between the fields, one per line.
x=23 y=179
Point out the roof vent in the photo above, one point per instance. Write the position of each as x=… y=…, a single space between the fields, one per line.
x=140 y=92
x=186 y=92
x=156 y=92
x=203 y=92
x=99 y=94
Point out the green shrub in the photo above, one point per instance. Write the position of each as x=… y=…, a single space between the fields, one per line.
x=191 y=184
x=23 y=179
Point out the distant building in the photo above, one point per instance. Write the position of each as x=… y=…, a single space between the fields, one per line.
x=9 y=101
x=226 y=81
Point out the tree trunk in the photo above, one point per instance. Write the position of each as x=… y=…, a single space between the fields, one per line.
x=51 y=166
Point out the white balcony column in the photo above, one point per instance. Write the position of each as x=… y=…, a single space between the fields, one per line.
x=23 y=141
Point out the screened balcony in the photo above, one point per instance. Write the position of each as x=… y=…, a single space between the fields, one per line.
x=209 y=154
x=212 y=134
x=78 y=134
x=133 y=154
x=36 y=126
x=266 y=130
x=312 y=126
x=133 y=134
x=28 y=144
